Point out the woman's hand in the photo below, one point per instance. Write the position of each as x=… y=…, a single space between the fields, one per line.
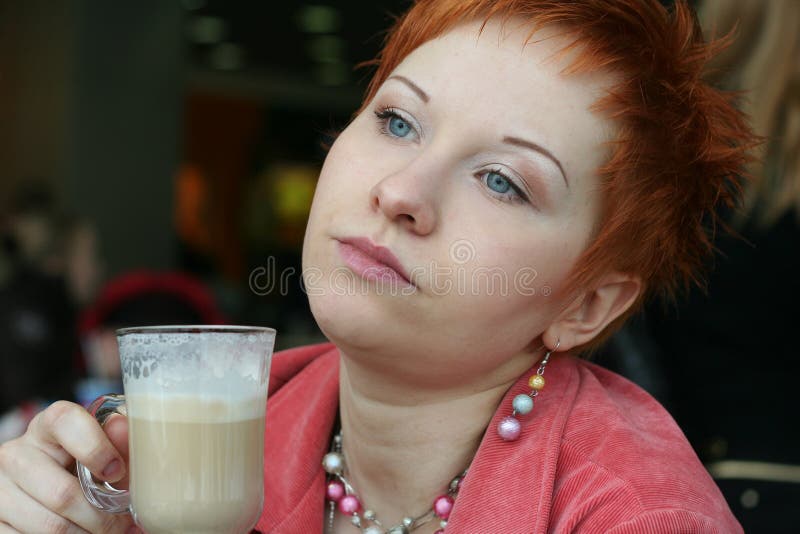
x=39 y=493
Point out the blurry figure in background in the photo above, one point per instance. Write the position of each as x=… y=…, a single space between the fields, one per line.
x=81 y=263
x=31 y=224
x=136 y=299
x=50 y=270
x=736 y=365
x=41 y=239
x=37 y=344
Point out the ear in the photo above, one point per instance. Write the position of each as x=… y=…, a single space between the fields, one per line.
x=592 y=311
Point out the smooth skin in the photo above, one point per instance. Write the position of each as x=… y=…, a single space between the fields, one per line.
x=39 y=492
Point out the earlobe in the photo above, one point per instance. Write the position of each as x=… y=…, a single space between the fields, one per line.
x=591 y=312
x=558 y=339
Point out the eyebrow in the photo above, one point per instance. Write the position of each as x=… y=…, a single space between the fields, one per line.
x=540 y=149
x=507 y=139
x=414 y=87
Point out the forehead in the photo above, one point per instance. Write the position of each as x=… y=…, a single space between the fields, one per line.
x=497 y=82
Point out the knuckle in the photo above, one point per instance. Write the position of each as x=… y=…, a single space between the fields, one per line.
x=97 y=451
x=9 y=459
x=56 y=412
x=53 y=524
x=110 y=524
x=63 y=496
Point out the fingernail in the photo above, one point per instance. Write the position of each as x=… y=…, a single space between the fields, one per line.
x=113 y=471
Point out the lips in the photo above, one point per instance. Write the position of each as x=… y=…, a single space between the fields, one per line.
x=372 y=261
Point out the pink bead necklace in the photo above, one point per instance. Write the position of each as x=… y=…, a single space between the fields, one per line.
x=340 y=492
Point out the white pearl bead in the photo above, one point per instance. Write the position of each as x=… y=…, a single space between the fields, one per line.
x=373 y=530
x=333 y=463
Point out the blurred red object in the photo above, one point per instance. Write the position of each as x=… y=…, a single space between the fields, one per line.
x=141 y=298
x=135 y=286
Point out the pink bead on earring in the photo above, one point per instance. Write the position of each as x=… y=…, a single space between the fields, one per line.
x=509 y=427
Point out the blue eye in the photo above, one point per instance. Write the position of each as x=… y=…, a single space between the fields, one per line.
x=497 y=182
x=503 y=187
x=392 y=124
x=398 y=126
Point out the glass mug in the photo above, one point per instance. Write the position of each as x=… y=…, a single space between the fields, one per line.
x=195 y=398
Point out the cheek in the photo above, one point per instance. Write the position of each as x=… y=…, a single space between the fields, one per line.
x=336 y=177
x=503 y=283
x=334 y=192
x=523 y=259
x=350 y=160
x=342 y=190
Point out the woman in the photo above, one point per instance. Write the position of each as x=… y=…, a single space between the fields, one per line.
x=568 y=149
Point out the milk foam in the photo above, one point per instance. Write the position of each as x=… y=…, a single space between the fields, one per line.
x=229 y=365
x=197 y=408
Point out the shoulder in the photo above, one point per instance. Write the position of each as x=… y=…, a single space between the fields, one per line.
x=290 y=363
x=624 y=465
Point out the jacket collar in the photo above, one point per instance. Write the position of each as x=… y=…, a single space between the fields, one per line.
x=508 y=484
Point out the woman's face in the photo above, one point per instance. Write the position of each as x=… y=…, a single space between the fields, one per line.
x=475 y=165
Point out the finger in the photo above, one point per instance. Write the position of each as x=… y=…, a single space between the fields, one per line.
x=66 y=431
x=5 y=528
x=24 y=514
x=116 y=429
x=40 y=478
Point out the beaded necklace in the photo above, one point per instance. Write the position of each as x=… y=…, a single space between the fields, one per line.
x=340 y=492
x=341 y=495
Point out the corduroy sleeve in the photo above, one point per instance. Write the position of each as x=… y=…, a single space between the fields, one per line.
x=671 y=521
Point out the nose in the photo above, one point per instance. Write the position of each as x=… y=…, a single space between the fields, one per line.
x=404 y=198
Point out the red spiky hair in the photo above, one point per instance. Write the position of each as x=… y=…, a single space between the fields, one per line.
x=680 y=148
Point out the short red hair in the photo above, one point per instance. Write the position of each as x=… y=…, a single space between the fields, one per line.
x=680 y=148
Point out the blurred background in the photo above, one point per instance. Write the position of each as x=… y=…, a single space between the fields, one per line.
x=159 y=161
x=158 y=164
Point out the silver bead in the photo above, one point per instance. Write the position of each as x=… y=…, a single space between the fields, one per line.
x=356 y=520
x=408 y=521
x=369 y=514
x=443 y=523
x=400 y=529
x=373 y=530
x=454 y=483
x=333 y=463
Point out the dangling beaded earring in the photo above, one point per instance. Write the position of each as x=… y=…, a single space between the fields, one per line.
x=509 y=428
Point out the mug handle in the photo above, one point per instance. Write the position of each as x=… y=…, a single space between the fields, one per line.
x=105 y=497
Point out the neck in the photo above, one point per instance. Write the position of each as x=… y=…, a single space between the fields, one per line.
x=402 y=446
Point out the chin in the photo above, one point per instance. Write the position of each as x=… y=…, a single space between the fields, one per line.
x=353 y=320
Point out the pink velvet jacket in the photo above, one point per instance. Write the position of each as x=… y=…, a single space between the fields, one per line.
x=596 y=455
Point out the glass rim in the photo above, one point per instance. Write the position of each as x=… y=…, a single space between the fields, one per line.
x=195 y=329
